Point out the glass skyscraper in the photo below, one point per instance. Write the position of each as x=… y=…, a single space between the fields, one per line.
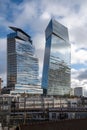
x=56 y=68
x=22 y=65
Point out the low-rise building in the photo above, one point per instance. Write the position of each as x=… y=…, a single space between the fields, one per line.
x=17 y=109
x=78 y=91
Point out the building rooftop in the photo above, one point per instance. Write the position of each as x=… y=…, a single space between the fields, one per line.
x=20 y=30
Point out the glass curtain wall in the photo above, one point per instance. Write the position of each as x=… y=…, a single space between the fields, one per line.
x=22 y=64
x=59 y=67
x=56 y=68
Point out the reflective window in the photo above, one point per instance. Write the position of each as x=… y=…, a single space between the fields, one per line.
x=22 y=66
x=56 y=68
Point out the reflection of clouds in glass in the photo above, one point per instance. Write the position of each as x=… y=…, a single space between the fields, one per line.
x=59 y=45
x=56 y=40
x=62 y=56
x=60 y=48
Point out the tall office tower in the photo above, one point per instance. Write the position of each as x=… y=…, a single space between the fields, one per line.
x=56 y=68
x=22 y=65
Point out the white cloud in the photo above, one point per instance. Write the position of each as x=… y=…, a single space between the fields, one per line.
x=78 y=55
x=39 y=43
x=35 y=15
x=45 y=15
x=79 y=78
x=74 y=73
x=25 y=14
x=2 y=44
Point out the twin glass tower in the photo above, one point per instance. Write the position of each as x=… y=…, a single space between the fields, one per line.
x=56 y=68
x=22 y=65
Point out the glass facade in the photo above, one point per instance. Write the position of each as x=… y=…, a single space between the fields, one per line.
x=56 y=69
x=22 y=65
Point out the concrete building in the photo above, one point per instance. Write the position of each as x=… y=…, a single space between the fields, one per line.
x=56 y=68
x=16 y=110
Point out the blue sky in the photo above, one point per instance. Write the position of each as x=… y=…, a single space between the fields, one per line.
x=33 y=16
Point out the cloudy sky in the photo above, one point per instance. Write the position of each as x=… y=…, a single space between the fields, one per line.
x=33 y=16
